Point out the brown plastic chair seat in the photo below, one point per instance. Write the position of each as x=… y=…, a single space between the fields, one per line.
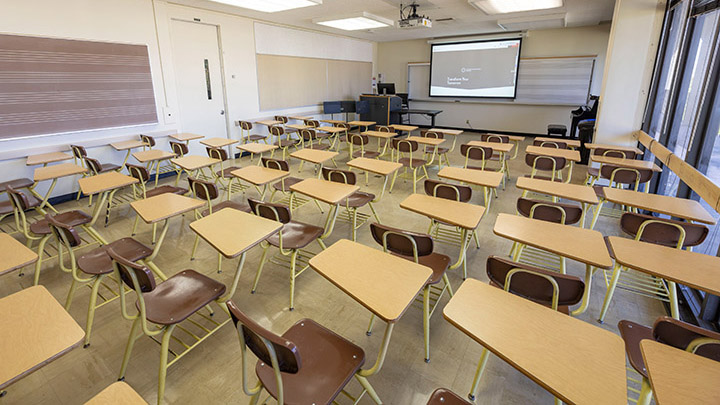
x=319 y=146
x=290 y=130
x=285 y=142
x=430 y=149
x=367 y=154
x=165 y=189
x=225 y=173
x=296 y=235
x=548 y=178
x=70 y=218
x=632 y=333
x=599 y=191
x=480 y=168
x=407 y=162
x=288 y=181
x=97 y=261
x=437 y=262
x=108 y=167
x=594 y=171
x=442 y=396
x=228 y=204
x=357 y=199
x=322 y=135
x=16 y=184
x=329 y=361
x=6 y=207
x=180 y=296
x=256 y=137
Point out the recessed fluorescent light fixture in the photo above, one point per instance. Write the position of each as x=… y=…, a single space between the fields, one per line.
x=354 y=22
x=513 y=6
x=270 y=6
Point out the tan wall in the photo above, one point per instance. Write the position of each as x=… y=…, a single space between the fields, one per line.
x=393 y=58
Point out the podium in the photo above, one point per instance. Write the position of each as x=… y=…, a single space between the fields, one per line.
x=382 y=109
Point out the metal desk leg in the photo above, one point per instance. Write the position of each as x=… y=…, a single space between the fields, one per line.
x=149 y=261
x=233 y=287
x=463 y=251
x=589 y=272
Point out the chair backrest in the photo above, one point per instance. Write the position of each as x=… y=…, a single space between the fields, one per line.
x=663 y=231
x=312 y=123
x=623 y=154
x=359 y=139
x=217 y=153
x=432 y=134
x=682 y=335
x=385 y=128
x=206 y=190
x=179 y=148
x=93 y=164
x=278 y=164
x=245 y=125
x=273 y=211
x=339 y=175
x=550 y=144
x=308 y=134
x=139 y=172
x=281 y=118
x=402 y=242
x=277 y=130
x=18 y=198
x=625 y=175
x=148 y=140
x=534 y=283
x=343 y=125
x=441 y=189
x=557 y=212
x=131 y=272
x=265 y=345
x=495 y=138
x=65 y=234
x=481 y=153
x=545 y=163
x=78 y=151
x=404 y=145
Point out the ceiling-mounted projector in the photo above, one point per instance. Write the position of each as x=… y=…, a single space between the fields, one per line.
x=409 y=17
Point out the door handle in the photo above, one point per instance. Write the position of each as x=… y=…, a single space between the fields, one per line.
x=222 y=112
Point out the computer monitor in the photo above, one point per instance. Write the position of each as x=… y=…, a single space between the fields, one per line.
x=386 y=88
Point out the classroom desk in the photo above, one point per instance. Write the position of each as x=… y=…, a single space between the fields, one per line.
x=593 y=146
x=329 y=192
x=45 y=158
x=583 y=245
x=384 y=284
x=259 y=176
x=36 y=330
x=128 y=146
x=577 y=362
x=386 y=136
x=377 y=166
x=158 y=208
x=118 y=392
x=684 y=208
x=269 y=123
x=186 y=137
x=153 y=156
x=679 y=377
x=298 y=127
x=365 y=124
x=105 y=184
x=54 y=173
x=257 y=148
x=502 y=149
x=574 y=192
x=452 y=132
x=692 y=269
x=403 y=128
x=218 y=142
x=568 y=154
x=571 y=143
x=463 y=215
x=427 y=141
x=194 y=165
x=484 y=178
x=13 y=254
x=629 y=163
x=221 y=230
x=314 y=156
x=300 y=118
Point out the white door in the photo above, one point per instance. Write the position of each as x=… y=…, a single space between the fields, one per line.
x=196 y=61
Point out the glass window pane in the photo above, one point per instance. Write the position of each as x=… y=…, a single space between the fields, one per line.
x=691 y=91
x=711 y=244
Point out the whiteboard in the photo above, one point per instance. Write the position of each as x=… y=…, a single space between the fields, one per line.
x=551 y=81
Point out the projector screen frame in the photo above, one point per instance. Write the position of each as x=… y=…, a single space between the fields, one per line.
x=517 y=70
